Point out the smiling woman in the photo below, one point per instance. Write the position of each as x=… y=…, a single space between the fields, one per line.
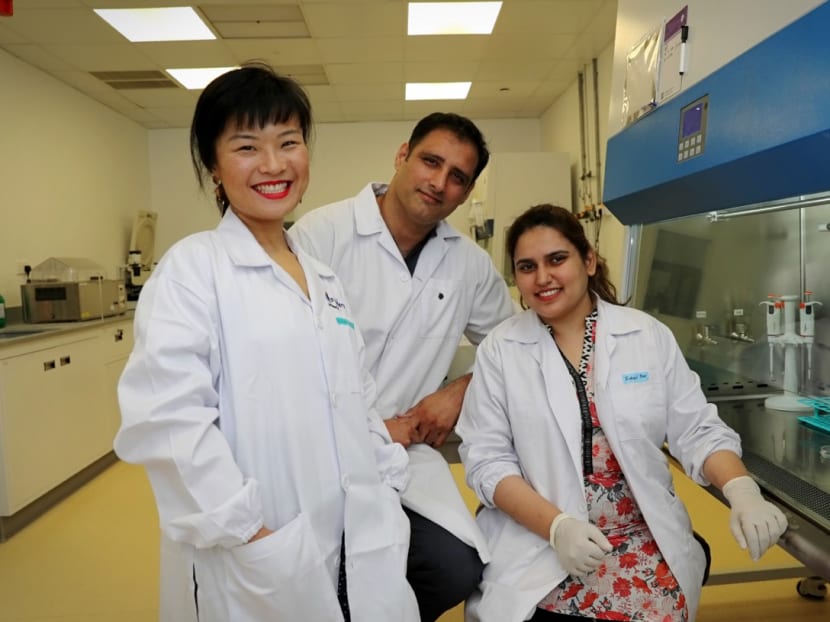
x=601 y=388
x=246 y=397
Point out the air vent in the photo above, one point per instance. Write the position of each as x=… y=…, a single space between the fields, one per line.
x=122 y=80
x=232 y=21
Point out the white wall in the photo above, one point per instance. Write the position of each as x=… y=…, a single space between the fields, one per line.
x=344 y=158
x=73 y=174
x=560 y=132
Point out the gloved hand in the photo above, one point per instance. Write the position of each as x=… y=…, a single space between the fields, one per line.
x=579 y=544
x=755 y=523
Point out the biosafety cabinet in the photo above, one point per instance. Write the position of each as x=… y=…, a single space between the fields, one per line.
x=729 y=245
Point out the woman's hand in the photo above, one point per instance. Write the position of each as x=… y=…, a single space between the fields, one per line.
x=580 y=545
x=259 y=535
x=755 y=523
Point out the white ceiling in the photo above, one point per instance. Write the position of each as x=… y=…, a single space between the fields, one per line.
x=354 y=62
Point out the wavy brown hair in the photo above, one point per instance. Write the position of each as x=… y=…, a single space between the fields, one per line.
x=563 y=221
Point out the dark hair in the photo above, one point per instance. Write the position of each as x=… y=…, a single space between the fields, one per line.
x=251 y=96
x=566 y=223
x=464 y=129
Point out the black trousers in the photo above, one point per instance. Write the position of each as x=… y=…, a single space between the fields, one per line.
x=442 y=570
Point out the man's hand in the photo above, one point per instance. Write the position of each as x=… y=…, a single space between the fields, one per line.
x=437 y=412
x=403 y=430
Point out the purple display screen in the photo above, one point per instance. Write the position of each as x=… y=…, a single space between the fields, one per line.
x=692 y=120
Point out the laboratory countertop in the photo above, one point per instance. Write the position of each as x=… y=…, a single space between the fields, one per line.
x=16 y=333
x=784 y=456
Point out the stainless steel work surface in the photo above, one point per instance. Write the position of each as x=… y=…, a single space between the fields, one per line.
x=784 y=454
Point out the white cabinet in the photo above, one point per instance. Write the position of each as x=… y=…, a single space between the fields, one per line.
x=116 y=343
x=58 y=410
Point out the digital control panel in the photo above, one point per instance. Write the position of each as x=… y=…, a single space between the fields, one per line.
x=692 y=136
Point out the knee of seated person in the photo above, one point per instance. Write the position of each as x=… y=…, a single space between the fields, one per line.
x=464 y=574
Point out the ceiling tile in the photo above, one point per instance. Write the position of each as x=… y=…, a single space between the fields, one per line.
x=545 y=17
x=445 y=48
x=502 y=89
x=429 y=71
x=171 y=55
x=359 y=46
x=494 y=70
x=365 y=73
x=519 y=48
x=121 y=56
x=161 y=98
x=293 y=51
x=372 y=110
x=61 y=26
x=420 y=109
x=343 y=20
x=321 y=93
x=492 y=108
x=360 y=50
x=369 y=92
x=84 y=82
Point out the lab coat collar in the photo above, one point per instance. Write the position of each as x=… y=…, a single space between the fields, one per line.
x=613 y=321
x=244 y=249
x=368 y=220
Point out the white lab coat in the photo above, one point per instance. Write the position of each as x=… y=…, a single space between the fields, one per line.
x=249 y=405
x=412 y=325
x=521 y=417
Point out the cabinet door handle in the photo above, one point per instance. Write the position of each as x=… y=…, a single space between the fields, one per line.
x=65 y=360
x=47 y=365
x=119 y=334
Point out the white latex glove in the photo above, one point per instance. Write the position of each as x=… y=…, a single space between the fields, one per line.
x=755 y=523
x=579 y=544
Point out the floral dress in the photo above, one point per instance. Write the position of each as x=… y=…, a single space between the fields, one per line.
x=634 y=582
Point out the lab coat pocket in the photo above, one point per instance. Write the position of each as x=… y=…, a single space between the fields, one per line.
x=640 y=408
x=438 y=309
x=281 y=577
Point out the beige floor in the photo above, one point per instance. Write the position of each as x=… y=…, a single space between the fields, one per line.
x=94 y=558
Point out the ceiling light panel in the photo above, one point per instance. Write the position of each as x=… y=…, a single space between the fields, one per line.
x=436 y=90
x=197 y=78
x=452 y=18
x=161 y=24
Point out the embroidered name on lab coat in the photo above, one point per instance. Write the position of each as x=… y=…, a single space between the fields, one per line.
x=634 y=377
x=334 y=303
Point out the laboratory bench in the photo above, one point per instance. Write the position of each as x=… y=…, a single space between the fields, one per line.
x=58 y=410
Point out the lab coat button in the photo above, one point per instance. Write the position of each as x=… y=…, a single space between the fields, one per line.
x=333 y=400
x=404 y=277
x=345 y=482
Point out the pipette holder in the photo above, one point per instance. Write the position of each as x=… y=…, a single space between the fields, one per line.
x=791 y=341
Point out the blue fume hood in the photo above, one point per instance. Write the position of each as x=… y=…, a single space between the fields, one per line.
x=763 y=122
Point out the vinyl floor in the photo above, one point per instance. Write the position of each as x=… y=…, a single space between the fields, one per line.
x=94 y=558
